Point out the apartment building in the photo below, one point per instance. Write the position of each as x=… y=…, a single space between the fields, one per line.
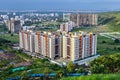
x=13 y=25
x=84 y=19
x=27 y=40
x=68 y=26
x=70 y=46
x=66 y=16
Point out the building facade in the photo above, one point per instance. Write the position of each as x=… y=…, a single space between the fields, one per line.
x=66 y=16
x=14 y=26
x=70 y=46
x=68 y=26
x=86 y=19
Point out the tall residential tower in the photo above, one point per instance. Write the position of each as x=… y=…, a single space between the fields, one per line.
x=70 y=46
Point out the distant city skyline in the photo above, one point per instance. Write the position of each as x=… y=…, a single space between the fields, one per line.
x=59 y=4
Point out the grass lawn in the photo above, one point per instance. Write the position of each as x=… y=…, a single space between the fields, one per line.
x=96 y=77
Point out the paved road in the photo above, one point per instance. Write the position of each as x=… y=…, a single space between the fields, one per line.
x=110 y=35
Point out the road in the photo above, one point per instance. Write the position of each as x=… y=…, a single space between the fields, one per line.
x=110 y=35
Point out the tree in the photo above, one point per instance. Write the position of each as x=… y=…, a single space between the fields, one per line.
x=118 y=48
x=103 y=41
x=81 y=70
x=106 y=64
x=61 y=73
x=24 y=75
x=46 y=70
x=44 y=60
x=11 y=34
x=46 y=73
x=116 y=41
x=98 y=68
x=71 y=67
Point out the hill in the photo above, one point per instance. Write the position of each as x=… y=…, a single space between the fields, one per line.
x=111 y=19
x=108 y=22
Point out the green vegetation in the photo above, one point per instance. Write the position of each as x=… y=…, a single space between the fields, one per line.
x=13 y=38
x=112 y=20
x=41 y=66
x=102 y=68
x=4 y=63
x=38 y=66
x=108 y=22
x=22 y=55
x=48 y=24
x=94 y=29
x=49 y=29
x=2 y=28
x=96 y=77
x=17 y=56
x=107 y=46
x=71 y=67
x=106 y=64
x=117 y=35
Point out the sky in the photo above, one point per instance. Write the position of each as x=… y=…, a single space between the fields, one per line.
x=60 y=4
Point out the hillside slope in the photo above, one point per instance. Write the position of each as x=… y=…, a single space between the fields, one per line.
x=111 y=19
x=108 y=22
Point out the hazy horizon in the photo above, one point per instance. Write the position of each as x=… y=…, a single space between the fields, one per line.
x=59 y=4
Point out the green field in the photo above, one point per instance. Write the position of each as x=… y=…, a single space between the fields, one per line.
x=97 y=29
x=111 y=19
x=96 y=77
x=107 y=46
x=10 y=37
